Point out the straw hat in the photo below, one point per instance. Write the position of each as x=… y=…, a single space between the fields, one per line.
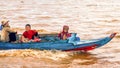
x=4 y=21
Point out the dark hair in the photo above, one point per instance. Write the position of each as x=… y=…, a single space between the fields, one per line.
x=28 y=25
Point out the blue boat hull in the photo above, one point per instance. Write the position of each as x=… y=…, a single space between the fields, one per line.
x=64 y=45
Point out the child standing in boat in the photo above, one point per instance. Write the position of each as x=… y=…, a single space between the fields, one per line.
x=65 y=33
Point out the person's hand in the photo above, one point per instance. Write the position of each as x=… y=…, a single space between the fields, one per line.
x=16 y=32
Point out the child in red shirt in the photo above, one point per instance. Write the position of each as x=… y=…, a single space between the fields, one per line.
x=29 y=35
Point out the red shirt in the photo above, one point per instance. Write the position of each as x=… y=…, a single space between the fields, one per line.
x=29 y=34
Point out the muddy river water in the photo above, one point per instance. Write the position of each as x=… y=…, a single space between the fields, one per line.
x=89 y=18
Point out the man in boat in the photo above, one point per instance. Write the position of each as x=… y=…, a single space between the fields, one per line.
x=64 y=34
x=30 y=35
x=7 y=34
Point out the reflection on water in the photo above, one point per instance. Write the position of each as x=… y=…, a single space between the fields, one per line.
x=88 y=18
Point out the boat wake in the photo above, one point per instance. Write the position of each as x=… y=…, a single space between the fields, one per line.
x=51 y=54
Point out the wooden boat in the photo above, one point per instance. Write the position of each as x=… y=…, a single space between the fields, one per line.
x=53 y=43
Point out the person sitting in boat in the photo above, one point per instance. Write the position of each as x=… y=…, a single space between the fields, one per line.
x=30 y=35
x=64 y=34
x=7 y=34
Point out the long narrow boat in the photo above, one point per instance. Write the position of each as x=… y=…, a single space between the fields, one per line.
x=71 y=44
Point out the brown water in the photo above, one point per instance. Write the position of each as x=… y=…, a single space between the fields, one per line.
x=88 y=18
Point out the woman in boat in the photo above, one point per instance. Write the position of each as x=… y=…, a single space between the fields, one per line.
x=64 y=34
x=30 y=35
x=7 y=34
